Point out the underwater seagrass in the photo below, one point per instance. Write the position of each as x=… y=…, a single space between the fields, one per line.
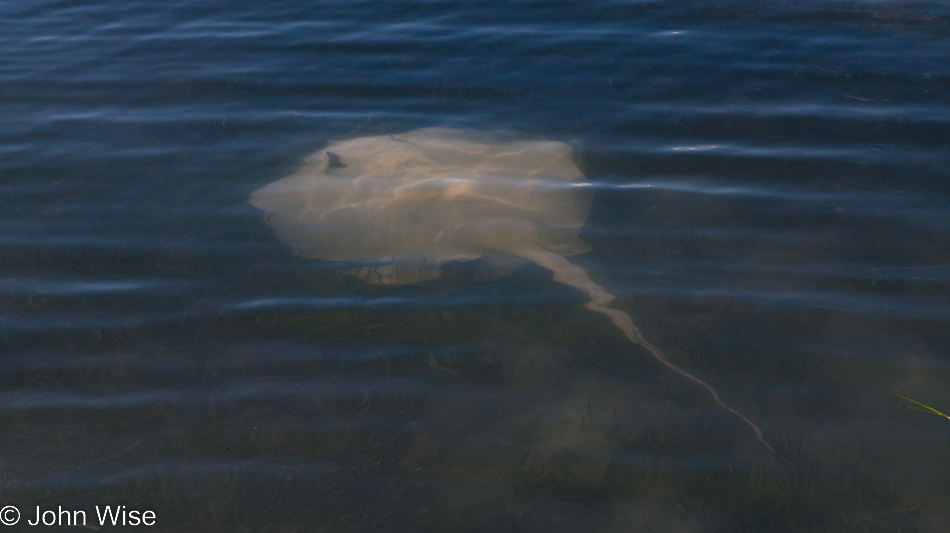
x=407 y=204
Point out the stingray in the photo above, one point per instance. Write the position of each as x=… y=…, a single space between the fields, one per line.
x=399 y=207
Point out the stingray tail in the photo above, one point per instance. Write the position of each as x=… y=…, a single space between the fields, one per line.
x=570 y=274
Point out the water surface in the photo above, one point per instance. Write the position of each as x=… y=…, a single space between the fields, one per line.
x=771 y=206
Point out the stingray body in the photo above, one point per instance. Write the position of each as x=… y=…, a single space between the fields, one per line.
x=413 y=202
x=401 y=206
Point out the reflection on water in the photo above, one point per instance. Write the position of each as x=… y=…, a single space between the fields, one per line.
x=769 y=205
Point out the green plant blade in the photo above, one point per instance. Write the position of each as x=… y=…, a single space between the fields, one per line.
x=926 y=408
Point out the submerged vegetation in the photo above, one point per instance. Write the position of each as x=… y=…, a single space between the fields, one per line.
x=923 y=408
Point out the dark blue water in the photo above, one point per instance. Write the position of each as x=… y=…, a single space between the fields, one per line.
x=771 y=205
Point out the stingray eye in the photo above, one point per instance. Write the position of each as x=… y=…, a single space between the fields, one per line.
x=334 y=161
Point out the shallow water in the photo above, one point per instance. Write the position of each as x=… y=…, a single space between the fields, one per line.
x=770 y=205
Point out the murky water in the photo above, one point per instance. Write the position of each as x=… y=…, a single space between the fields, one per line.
x=770 y=205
